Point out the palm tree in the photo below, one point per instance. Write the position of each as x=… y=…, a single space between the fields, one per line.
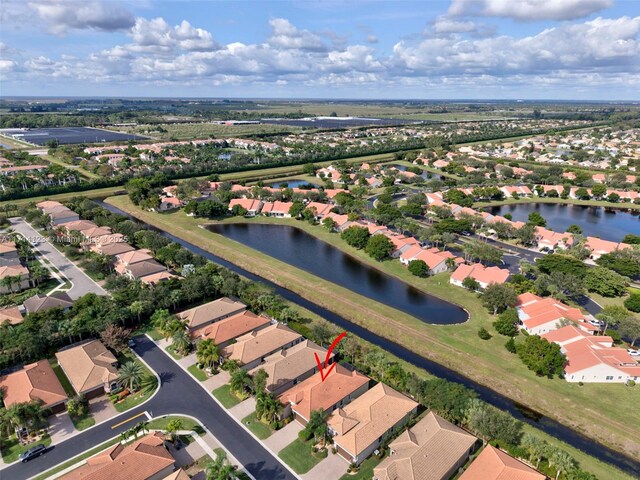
x=173 y=426
x=536 y=447
x=181 y=341
x=450 y=263
x=221 y=469
x=273 y=409
x=317 y=425
x=260 y=381
x=208 y=353
x=131 y=375
x=240 y=381
x=562 y=461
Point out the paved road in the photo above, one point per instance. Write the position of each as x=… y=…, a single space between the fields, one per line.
x=179 y=394
x=82 y=284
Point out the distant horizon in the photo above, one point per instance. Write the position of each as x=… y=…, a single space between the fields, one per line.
x=320 y=99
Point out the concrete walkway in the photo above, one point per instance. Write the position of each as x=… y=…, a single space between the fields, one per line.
x=283 y=437
x=243 y=408
x=334 y=466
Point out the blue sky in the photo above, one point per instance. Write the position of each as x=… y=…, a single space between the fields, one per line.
x=521 y=49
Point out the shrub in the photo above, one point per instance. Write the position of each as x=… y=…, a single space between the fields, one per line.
x=471 y=283
x=418 y=268
x=507 y=323
x=510 y=345
x=483 y=334
x=304 y=435
x=633 y=302
x=631 y=383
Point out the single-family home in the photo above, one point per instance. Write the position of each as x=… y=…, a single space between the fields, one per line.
x=14 y=278
x=208 y=313
x=90 y=367
x=593 y=358
x=358 y=428
x=494 y=464
x=36 y=381
x=601 y=247
x=112 y=249
x=433 y=449
x=519 y=190
x=251 y=349
x=290 y=366
x=157 y=277
x=60 y=215
x=225 y=331
x=551 y=240
x=320 y=210
x=40 y=303
x=435 y=259
x=339 y=387
x=252 y=206
x=480 y=273
x=168 y=203
x=541 y=315
x=147 y=458
x=12 y=315
x=277 y=209
x=136 y=264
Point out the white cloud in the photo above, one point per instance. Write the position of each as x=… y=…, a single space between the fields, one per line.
x=60 y=16
x=157 y=35
x=529 y=10
x=445 y=24
x=286 y=35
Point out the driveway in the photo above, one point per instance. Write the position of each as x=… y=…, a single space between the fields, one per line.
x=102 y=409
x=334 y=466
x=179 y=394
x=60 y=428
x=81 y=283
x=283 y=437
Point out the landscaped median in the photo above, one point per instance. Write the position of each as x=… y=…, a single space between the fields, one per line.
x=454 y=346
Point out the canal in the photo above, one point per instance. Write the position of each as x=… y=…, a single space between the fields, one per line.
x=545 y=424
x=607 y=224
x=296 y=247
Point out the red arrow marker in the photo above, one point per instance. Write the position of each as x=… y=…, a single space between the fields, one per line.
x=324 y=374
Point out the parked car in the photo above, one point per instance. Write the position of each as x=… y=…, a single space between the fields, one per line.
x=596 y=323
x=131 y=343
x=633 y=353
x=33 y=452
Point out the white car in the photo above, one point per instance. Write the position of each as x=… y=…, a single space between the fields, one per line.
x=633 y=353
x=596 y=323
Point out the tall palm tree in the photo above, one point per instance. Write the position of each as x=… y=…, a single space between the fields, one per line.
x=208 y=353
x=562 y=461
x=240 y=381
x=131 y=375
x=181 y=341
x=536 y=447
x=273 y=409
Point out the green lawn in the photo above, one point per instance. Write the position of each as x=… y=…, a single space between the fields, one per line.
x=187 y=423
x=226 y=397
x=299 y=456
x=11 y=448
x=452 y=345
x=259 y=429
x=365 y=472
x=199 y=373
x=173 y=353
x=62 y=378
x=149 y=384
x=83 y=422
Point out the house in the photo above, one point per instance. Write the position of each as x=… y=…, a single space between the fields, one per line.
x=111 y=249
x=215 y=311
x=337 y=389
x=60 y=215
x=90 y=367
x=16 y=278
x=551 y=240
x=601 y=247
x=40 y=303
x=277 y=209
x=435 y=259
x=147 y=458
x=168 y=203
x=494 y=464
x=77 y=226
x=320 y=210
x=520 y=191
x=36 y=381
x=593 y=358
x=224 y=331
x=133 y=256
x=13 y=315
x=480 y=273
x=252 y=206
x=156 y=278
x=290 y=366
x=137 y=264
x=540 y=315
x=433 y=449
x=358 y=427
x=8 y=251
x=251 y=349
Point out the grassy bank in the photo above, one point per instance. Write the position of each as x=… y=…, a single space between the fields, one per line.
x=565 y=201
x=457 y=347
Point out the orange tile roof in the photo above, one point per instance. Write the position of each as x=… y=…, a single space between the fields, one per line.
x=156 y=278
x=257 y=344
x=142 y=460
x=544 y=310
x=11 y=315
x=360 y=423
x=232 y=327
x=88 y=365
x=494 y=464
x=7 y=247
x=315 y=394
x=482 y=274
x=36 y=381
x=429 y=450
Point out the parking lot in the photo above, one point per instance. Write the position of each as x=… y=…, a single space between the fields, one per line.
x=67 y=135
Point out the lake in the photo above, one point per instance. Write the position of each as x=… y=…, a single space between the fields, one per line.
x=292 y=184
x=298 y=248
x=595 y=221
